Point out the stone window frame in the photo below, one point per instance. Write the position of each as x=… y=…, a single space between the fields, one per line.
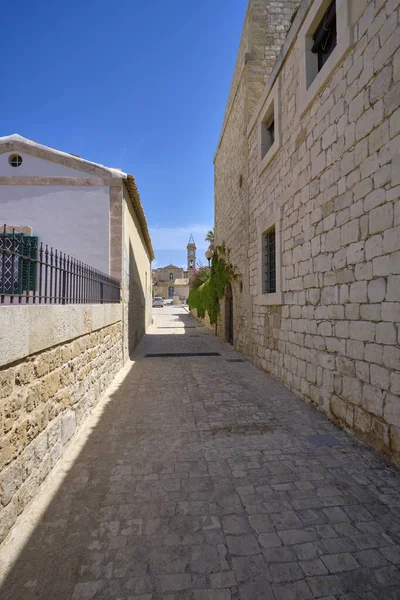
x=264 y=225
x=271 y=108
x=311 y=81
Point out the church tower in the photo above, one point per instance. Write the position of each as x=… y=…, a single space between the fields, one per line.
x=191 y=256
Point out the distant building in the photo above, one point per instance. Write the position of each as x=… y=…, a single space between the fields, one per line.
x=173 y=281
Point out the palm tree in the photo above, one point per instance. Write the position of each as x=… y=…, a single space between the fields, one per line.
x=210 y=239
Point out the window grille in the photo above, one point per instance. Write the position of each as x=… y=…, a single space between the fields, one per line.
x=269 y=262
x=31 y=273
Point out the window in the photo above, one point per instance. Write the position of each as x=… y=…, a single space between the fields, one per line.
x=325 y=36
x=270 y=284
x=15 y=160
x=267 y=134
x=271 y=130
x=191 y=264
x=324 y=40
x=171 y=275
x=270 y=262
x=269 y=127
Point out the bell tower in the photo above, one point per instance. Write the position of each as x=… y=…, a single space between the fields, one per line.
x=191 y=256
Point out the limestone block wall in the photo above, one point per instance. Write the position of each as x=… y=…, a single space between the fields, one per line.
x=44 y=398
x=334 y=339
x=263 y=35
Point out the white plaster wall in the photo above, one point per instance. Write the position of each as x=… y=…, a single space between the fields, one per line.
x=36 y=167
x=72 y=219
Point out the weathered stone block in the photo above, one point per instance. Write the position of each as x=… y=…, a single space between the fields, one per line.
x=377 y=290
x=362 y=330
x=381 y=218
x=385 y=333
x=362 y=420
x=24 y=373
x=332 y=242
x=351 y=389
x=391 y=239
x=380 y=377
x=391 y=357
x=381 y=266
x=10 y=481
x=372 y=400
x=392 y=410
x=371 y=312
x=374 y=353
x=355 y=253
x=342 y=410
x=391 y=311
x=393 y=289
x=358 y=292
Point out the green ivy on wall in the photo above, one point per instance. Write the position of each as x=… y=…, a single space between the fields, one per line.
x=208 y=287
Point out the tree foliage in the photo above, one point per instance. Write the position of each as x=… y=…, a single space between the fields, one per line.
x=208 y=286
x=210 y=239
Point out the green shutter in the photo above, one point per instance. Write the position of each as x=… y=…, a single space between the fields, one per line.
x=29 y=268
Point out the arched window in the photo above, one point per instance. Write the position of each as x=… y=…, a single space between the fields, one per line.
x=171 y=275
x=171 y=291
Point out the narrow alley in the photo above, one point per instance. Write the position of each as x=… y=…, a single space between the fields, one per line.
x=205 y=478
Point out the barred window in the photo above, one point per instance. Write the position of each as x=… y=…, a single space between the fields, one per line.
x=269 y=262
x=325 y=36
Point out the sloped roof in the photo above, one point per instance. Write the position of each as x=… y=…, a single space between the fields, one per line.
x=18 y=142
x=138 y=208
x=170 y=267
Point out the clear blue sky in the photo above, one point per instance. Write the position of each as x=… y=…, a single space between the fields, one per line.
x=137 y=85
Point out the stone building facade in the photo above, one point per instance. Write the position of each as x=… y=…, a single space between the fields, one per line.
x=307 y=192
x=172 y=281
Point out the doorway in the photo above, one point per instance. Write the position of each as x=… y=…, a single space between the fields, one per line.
x=229 y=314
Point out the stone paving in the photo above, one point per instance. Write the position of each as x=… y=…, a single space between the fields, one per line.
x=205 y=479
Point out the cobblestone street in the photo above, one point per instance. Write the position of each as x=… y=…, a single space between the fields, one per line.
x=207 y=479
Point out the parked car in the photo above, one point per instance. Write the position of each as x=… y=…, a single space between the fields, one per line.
x=158 y=301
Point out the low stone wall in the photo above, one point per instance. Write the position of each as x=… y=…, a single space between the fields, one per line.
x=27 y=329
x=44 y=398
x=205 y=321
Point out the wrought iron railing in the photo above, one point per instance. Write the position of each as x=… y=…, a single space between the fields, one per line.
x=32 y=273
